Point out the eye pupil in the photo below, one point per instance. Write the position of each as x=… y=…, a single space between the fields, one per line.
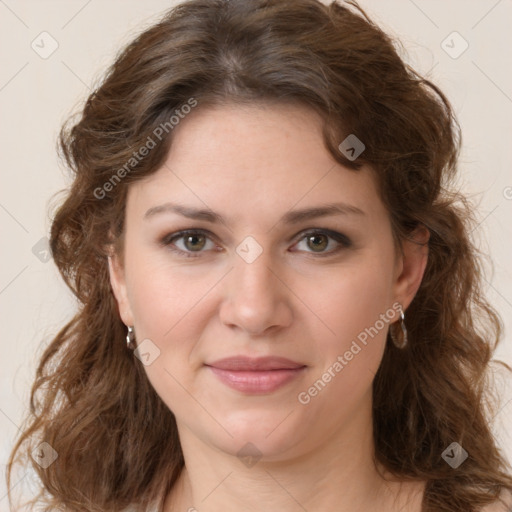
x=185 y=243
x=194 y=247
x=321 y=245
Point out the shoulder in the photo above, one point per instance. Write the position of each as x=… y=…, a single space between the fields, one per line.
x=503 y=505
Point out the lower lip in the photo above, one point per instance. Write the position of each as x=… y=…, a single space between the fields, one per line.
x=257 y=381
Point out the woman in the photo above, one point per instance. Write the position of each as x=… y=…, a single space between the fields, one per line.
x=261 y=209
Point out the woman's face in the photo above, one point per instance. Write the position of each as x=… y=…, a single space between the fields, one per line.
x=256 y=285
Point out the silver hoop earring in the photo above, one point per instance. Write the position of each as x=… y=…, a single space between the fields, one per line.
x=398 y=333
x=130 y=338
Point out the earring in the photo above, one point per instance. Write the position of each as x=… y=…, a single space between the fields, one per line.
x=398 y=333
x=130 y=338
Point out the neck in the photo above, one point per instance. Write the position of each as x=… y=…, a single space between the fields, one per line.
x=339 y=474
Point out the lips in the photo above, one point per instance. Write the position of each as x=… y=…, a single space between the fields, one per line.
x=242 y=363
x=256 y=375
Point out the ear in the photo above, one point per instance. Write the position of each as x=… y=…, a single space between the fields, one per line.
x=118 y=283
x=411 y=266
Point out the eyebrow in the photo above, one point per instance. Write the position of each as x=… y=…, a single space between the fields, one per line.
x=291 y=217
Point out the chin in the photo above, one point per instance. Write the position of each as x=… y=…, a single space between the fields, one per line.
x=264 y=433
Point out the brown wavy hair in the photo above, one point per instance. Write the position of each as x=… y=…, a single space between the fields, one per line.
x=117 y=442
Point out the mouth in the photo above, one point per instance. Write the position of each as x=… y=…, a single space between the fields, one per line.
x=256 y=375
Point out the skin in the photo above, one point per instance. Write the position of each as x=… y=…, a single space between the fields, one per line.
x=252 y=165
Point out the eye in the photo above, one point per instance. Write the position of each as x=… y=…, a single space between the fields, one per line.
x=194 y=241
x=319 y=240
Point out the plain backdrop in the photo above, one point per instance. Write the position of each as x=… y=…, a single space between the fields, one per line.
x=52 y=53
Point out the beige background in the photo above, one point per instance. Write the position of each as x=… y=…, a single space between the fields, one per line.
x=38 y=91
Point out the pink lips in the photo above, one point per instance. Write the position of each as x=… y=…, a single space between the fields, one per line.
x=256 y=375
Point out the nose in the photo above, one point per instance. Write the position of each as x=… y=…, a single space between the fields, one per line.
x=256 y=297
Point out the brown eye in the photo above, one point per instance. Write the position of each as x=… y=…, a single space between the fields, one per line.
x=318 y=242
x=194 y=242
x=186 y=243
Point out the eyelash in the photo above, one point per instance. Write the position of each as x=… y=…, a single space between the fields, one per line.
x=343 y=240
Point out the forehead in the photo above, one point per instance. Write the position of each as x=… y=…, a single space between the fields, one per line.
x=250 y=136
x=239 y=160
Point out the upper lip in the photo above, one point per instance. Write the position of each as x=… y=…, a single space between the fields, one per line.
x=241 y=363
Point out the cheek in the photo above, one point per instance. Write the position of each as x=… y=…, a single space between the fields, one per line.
x=336 y=301
x=338 y=306
x=353 y=298
x=168 y=310
x=167 y=302
x=356 y=311
x=171 y=305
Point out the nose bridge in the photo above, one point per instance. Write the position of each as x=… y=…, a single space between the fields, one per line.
x=254 y=264
x=255 y=276
x=256 y=298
